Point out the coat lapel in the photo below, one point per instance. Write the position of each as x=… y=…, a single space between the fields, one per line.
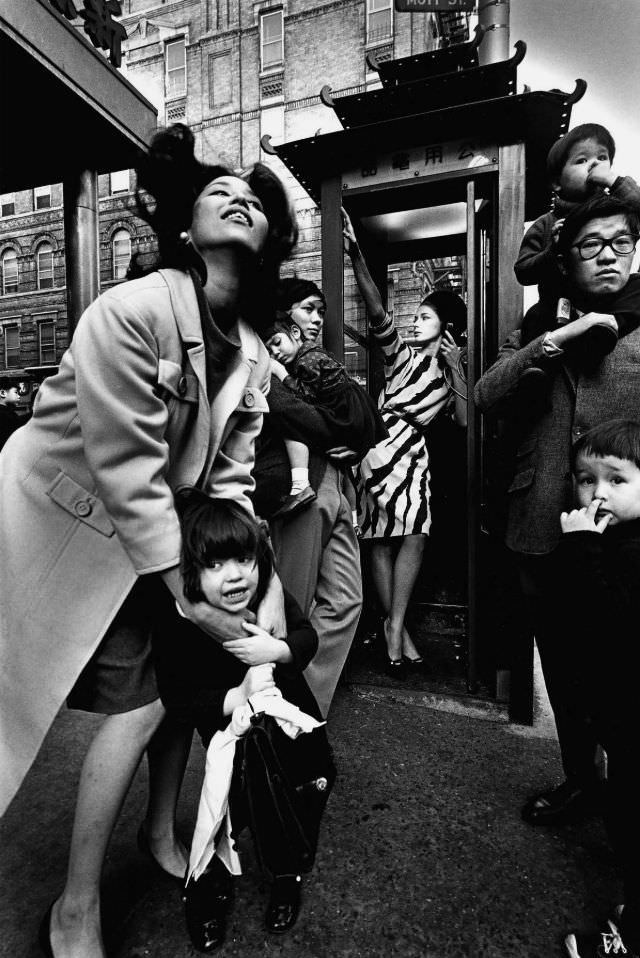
x=214 y=422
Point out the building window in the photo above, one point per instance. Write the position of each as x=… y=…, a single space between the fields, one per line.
x=175 y=68
x=47 y=341
x=271 y=39
x=44 y=262
x=11 y=346
x=119 y=182
x=121 y=252
x=220 y=88
x=10 y=271
x=42 y=198
x=379 y=20
x=7 y=204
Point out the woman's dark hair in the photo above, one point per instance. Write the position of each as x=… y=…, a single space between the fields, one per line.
x=616 y=437
x=294 y=290
x=218 y=529
x=170 y=173
x=598 y=207
x=450 y=309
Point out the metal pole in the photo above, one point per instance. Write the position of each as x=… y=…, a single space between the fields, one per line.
x=333 y=266
x=82 y=258
x=493 y=15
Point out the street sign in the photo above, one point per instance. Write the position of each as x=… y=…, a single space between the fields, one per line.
x=428 y=6
x=450 y=157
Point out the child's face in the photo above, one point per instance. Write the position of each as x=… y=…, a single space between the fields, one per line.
x=308 y=315
x=284 y=346
x=584 y=156
x=230 y=584
x=615 y=482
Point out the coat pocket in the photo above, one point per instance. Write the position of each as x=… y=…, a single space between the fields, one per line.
x=79 y=503
x=174 y=383
x=522 y=480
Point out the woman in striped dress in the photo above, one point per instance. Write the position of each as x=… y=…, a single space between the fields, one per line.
x=393 y=478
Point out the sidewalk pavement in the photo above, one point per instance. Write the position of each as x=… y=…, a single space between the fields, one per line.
x=422 y=854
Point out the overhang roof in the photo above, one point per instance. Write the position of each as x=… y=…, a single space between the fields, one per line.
x=63 y=106
x=419 y=66
x=536 y=119
x=489 y=82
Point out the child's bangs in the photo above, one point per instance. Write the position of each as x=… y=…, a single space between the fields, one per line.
x=226 y=537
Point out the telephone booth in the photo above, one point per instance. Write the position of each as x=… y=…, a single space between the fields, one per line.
x=444 y=163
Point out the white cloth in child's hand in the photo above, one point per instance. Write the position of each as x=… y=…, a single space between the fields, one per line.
x=213 y=809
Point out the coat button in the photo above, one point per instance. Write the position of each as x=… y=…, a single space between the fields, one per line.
x=182 y=386
x=83 y=508
x=249 y=399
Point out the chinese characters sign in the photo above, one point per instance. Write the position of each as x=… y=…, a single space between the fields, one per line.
x=421 y=161
x=426 y=6
x=103 y=31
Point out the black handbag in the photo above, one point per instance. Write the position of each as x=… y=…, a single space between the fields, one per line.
x=285 y=784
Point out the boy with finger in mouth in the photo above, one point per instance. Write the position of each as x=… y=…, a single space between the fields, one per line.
x=601 y=597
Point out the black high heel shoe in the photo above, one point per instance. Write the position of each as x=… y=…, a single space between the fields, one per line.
x=396 y=668
x=145 y=848
x=414 y=665
x=44 y=933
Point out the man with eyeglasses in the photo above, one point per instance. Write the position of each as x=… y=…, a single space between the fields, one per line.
x=588 y=355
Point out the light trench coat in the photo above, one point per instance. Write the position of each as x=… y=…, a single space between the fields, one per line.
x=86 y=487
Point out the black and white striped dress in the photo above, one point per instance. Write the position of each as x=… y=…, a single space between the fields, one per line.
x=393 y=478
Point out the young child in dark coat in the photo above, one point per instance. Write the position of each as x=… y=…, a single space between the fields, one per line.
x=579 y=167
x=601 y=595
x=312 y=374
x=227 y=562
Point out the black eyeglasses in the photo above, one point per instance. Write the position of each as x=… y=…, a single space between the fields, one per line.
x=592 y=246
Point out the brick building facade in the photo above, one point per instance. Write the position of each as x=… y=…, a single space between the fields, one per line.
x=233 y=70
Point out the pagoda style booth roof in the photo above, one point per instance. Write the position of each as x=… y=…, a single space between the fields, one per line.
x=440 y=99
x=420 y=66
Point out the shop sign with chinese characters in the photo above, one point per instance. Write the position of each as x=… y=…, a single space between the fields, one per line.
x=103 y=31
x=428 y=6
x=421 y=161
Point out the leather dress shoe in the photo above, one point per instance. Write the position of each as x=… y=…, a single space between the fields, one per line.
x=563 y=804
x=206 y=906
x=284 y=904
x=294 y=503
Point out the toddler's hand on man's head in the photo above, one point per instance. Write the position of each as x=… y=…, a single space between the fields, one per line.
x=584 y=520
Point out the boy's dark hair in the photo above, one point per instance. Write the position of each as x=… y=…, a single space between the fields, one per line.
x=597 y=207
x=557 y=156
x=218 y=529
x=282 y=324
x=294 y=290
x=616 y=437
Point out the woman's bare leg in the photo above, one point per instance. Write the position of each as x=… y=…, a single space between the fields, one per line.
x=107 y=773
x=167 y=754
x=405 y=571
x=382 y=566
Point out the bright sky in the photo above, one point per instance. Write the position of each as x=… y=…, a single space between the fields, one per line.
x=598 y=40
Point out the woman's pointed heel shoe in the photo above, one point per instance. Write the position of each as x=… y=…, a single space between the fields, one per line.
x=44 y=933
x=145 y=848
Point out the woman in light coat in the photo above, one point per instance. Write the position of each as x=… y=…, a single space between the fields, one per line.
x=163 y=386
